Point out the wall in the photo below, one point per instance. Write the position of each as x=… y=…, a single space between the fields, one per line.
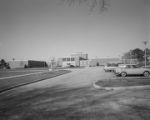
x=103 y=61
x=34 y=64
x=17 y=64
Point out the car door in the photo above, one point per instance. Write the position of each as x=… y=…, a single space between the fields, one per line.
x=138 y=70
x=127 y=69
x=131 y=70
x=135 y=70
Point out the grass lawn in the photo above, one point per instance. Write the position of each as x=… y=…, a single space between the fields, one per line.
x=86 y=103
x=6 y=84
x=124 y=82
x=20 y=71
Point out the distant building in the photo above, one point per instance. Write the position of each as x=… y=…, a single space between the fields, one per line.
x=74 y=60
x=81 y=60
x=27 y=64
x=80 y=55
x=130 y=61
x=70 y=61
x=103 y=61
x=35 y=64
x=17 y=64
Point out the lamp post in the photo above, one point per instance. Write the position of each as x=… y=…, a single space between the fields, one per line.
x=130 y=56
x=51 y=65
x=145 y=43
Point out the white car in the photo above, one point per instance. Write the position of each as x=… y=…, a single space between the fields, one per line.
x=132 y=69
x=110 y=68
x=146 y=66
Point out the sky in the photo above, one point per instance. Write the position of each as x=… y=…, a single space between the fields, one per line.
x=44 y=29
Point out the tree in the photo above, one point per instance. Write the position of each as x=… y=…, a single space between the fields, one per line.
x=101 y=5
x=138 y=54
x=126 y=55
x=4 y=64
x=148 y=52
x=25 y=66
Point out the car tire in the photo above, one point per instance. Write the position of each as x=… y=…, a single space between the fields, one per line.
x=123 y=74
x=146 y=74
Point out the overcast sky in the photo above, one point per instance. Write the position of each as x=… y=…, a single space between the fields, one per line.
x=42 y=29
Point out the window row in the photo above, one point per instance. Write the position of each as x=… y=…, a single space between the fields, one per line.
x=68 y=59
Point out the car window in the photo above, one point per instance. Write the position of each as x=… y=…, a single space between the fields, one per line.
x=134 y=66
x=128 y=66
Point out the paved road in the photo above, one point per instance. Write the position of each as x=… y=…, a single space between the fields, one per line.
x=77 y=78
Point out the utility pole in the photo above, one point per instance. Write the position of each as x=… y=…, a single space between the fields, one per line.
x=145 y=43
x=130 y=56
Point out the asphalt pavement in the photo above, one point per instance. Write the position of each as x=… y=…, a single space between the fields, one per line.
x=77 y=78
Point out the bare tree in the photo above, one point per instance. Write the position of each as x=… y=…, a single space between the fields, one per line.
x=100 y=5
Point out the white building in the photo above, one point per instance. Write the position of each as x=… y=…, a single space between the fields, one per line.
x=75 y=60
x=18 y=63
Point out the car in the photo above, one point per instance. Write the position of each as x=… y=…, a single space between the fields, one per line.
x=132 y=69
x=146 y=66
x=110 y=67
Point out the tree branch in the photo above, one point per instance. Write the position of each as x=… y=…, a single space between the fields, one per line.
x=102 y=5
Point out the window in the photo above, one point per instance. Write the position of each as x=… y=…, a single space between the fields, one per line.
x=72 y=59
x=64 y=59
x=131 y=66
x=68 y=59
x=134 y=66
x=128 y=66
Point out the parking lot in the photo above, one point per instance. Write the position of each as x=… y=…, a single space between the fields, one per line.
x=72 y=96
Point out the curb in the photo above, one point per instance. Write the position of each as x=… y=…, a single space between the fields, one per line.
x=119 y=88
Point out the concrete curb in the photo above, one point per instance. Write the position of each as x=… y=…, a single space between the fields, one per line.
x=119 y=88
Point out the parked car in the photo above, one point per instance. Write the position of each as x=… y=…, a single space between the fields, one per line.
x=146 y=66
x=110 y=67
x=132 y=69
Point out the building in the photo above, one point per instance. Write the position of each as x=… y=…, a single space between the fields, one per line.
x=17 y=63
x=70 y=61
x=130 y=61
x=27 y=64
x=82 y=56
x=35 y=64
x=74 y=60
x=81 y=60
x=103 y=61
